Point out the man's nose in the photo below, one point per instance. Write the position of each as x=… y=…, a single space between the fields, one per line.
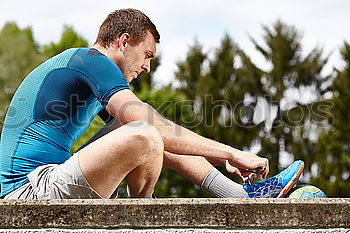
x=146 y=66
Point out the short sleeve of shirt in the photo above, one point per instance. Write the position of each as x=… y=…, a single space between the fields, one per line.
x=103 y=76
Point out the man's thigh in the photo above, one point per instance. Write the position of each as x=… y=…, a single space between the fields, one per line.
x=106 y=161
x=56 y=181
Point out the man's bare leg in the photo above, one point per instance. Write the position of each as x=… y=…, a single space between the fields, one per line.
x=134 y=151
x=195 y=168
x=203 y=173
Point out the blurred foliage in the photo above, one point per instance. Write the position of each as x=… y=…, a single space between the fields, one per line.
x=69 y=39
x=226 y=97
x=217 y=87
x=94 y=126
x=19 y=54
x=290 y=71
x=228 y=92
x=330 y=154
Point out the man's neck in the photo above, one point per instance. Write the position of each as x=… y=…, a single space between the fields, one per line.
x=101 y=49
x=110 y=52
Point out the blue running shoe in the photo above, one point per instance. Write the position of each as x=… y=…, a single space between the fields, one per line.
x=277 y=186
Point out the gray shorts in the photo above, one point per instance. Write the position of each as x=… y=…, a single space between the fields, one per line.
x=56 y=181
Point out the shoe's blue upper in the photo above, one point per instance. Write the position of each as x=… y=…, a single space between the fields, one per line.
x=270 y=188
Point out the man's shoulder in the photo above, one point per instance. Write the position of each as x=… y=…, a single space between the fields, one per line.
x=90 y=57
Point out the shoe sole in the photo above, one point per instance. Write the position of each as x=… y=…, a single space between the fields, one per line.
x=291 y=183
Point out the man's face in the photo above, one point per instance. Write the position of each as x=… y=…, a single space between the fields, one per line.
x=137 y=58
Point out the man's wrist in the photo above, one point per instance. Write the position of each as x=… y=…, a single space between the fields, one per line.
x=230 y=153
x=235 y=155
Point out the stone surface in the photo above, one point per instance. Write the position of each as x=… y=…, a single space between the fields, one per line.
x=340 y=230
x=219 y=214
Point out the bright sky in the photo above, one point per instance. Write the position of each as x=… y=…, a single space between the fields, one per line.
x=323 y=23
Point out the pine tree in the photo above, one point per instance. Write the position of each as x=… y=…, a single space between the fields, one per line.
x=218 y=87
x=290 y=72
x=331 y=153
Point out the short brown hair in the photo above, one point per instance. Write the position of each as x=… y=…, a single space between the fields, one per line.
x=122 y=21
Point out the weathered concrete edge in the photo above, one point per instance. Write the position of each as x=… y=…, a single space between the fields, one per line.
x=198 y=213
x=190 y=230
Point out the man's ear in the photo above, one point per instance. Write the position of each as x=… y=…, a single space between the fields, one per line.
x=123 y=41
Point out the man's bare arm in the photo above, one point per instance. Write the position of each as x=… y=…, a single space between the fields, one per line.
x=126 y=107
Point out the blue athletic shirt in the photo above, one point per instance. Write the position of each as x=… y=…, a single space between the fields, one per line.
x=52 y=108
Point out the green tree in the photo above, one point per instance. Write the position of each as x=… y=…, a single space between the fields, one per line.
x=69 y=39
x=331 y=153
x=290 y=71
x=19 y=54
x=228 y=90
x=190 y=71
x=219 y=88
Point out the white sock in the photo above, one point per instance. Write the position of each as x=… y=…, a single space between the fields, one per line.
x=218 y=185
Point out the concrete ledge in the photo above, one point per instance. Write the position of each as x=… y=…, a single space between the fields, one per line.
x=176 y=213
x=338 y=230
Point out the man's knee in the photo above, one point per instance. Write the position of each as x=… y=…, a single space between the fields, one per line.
x=146 y=137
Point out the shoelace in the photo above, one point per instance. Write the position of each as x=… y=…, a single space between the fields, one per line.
x=256 y=171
